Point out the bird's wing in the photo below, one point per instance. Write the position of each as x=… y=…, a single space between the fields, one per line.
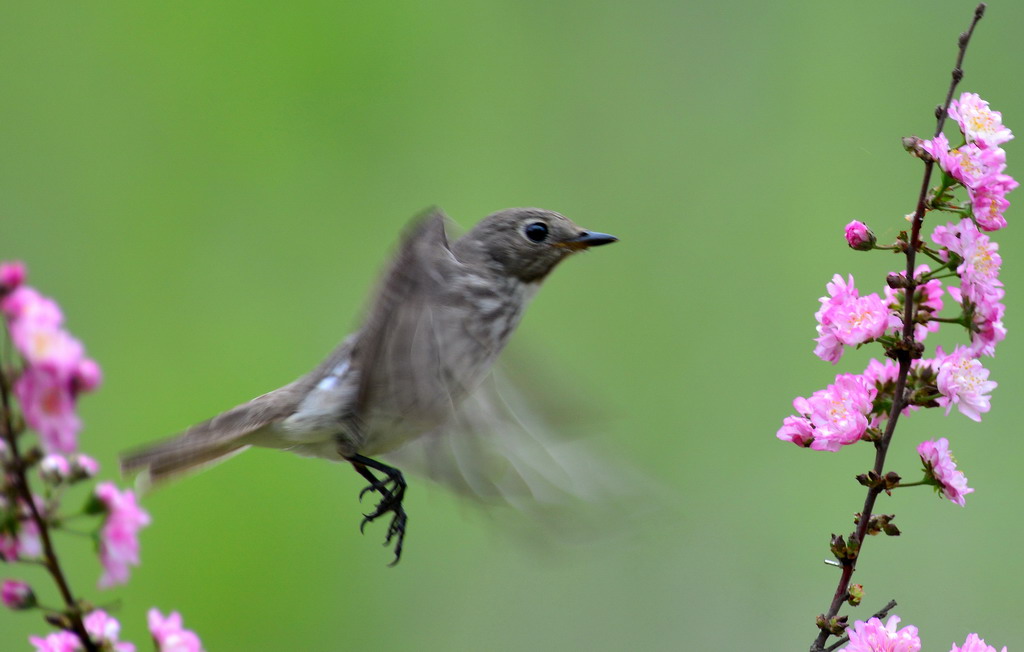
x=498 y=450
x=398 y=352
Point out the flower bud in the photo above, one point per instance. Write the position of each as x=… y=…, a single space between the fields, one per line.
x=913 y=146
x=896 y=280
x=859 y=236
x=87 y=375
x=17 y=595
x=54 y=469
x=11 y=276
x=855 y=594
x=83 y=467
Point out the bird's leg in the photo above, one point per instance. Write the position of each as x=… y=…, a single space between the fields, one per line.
x=392 y=490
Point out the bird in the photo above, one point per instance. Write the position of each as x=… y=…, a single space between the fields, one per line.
x=418 y=365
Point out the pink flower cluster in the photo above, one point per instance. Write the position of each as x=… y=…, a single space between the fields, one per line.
x=52 y=373
x=832 y=417
x=170 y=635
x=981 y=292
x=848 y=319
x=940 y=469
x=119 y=542
x=873 y=636
x=979 y=163
x=842 y=413
x=103 y=628
x=963 y=382
x=857 y=407
x=56 y=369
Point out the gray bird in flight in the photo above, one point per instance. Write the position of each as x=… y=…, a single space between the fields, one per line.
x=439 y=318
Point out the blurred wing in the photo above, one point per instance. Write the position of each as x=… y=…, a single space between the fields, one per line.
x=498 y=451
x=398 y=351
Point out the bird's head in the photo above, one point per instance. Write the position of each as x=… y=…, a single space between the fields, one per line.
x=527 y=243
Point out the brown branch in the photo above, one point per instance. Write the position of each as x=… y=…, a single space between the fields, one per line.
x=17 y=468
x=904 y=351
x=881 y=613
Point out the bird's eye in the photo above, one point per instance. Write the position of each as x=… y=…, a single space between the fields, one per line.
x=536 y=232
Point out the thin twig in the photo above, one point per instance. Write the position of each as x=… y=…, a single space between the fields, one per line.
x=904 y=352
x=72 y=611
x=881 y=613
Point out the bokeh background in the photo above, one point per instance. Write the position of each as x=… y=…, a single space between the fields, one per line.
x=209 y=189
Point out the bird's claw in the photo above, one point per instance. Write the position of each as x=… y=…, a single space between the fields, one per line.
x=392 y=492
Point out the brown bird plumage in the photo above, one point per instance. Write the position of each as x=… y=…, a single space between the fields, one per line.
x=438 y=320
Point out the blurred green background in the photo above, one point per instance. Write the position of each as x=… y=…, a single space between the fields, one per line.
x=209 y=189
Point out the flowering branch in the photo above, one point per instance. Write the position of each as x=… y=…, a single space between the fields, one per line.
x=40 y=392
x=904 y=352
x=868 y=406
x=16 y=471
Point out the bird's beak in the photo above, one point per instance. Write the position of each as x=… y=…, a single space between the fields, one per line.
x=588 y=239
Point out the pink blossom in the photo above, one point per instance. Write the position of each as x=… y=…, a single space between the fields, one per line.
x=24 y=541
x=979 y=123
x=859 y=236
x=48 y=345
x=12 y=275
x=119 y=544
x=937 y=148
x=988 y=322
x=831 y=417
x=979 y=270
x=939 y=465
x=846 y=318
x=62 y=641
x=169 y=634
x=797 y=430
x=971 y=165
x=988 y=201
x=26 y=304
x=963 y=382
x=974 y=643
x=54 y=468
x=828 y=346
x=948 y=236
x=872 y=636
x=104 y=628
x=49 y=408
x=29 y=543
x=859 y=320
x=881 y=373
x=17 y=595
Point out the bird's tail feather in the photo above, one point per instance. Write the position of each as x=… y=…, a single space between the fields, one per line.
x=174 y=457
x=206 y=443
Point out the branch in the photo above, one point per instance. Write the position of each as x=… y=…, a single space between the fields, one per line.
x=881 y=613
x=904 y=352
x=18 y=466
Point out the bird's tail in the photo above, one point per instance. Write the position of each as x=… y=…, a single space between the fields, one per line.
x=206 y=443
x=170 y=458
